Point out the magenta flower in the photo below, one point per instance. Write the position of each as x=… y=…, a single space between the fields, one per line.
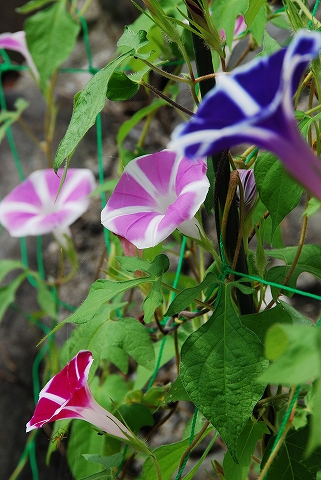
x=156 y=194
x=254 y=104
x=32 y=208
x=67 y=395
x=17 y=42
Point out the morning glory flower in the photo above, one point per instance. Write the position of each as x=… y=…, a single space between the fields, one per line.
x=253 y=104
x=17 y=42
x=67 y=395
x=156 y=194
x=32 y=208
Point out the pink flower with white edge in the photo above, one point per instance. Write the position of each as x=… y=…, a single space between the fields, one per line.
x=32 y=208
x=17 y=42
x=156 y=194
x=67 y=395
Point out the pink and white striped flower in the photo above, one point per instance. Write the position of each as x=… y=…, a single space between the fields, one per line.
x=156 y=194
x=31 y=208
x=17 y=41
x=67 y=395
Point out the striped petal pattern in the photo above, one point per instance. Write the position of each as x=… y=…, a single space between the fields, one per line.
x=31 y=208
x=253 y=104
x=17 y=41
x=67 y=395
x=156 y=194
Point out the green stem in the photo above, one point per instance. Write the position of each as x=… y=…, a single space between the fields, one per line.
x=159 y=475
x=168 y=100
x=165 y=74
x=204 y=64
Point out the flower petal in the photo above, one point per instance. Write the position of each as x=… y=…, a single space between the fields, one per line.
x=254 y=104
x=67 y=395
x=17 y=42
x=32 y=208
x=154 y=196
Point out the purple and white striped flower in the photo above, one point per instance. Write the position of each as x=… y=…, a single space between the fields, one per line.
x=32 y=208
x=156 y=194
x=67 y=395
x=253 y=104
x=17 y=41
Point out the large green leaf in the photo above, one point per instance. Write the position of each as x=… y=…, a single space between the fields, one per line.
x=51 y=36
x=109 y=339
x=279 y=193
x=220 y=364
x=290 y=462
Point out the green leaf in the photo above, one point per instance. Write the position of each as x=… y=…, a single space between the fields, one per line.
x=83 y=438
x=46 y=300
x=168 y=457
x=110 y=392
x=32 y=5
x=314 y=205
x=253 y=10
x=7 y=118
x=246 y=443
x=109 y=339
x=309 y=261
x=220 y=364
x=290 y=462
x=295 y=352
x=136 y=416
x=270 y=45
x=133 y=40
x=164 y=352
x=192 y=472
x=101 y=292
x=259 y=323
x=177 y=392
x=51 y=36
x=258 y=25
x=153 y=300
x=89 y=103
x=8 y=293
x=155 y=269
x=6 y=266
x=110 y=463
x=296 y=316
x=225 y=13
x=120 y=87
x=315 y=434
x=279 y=193
x=187 y=296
